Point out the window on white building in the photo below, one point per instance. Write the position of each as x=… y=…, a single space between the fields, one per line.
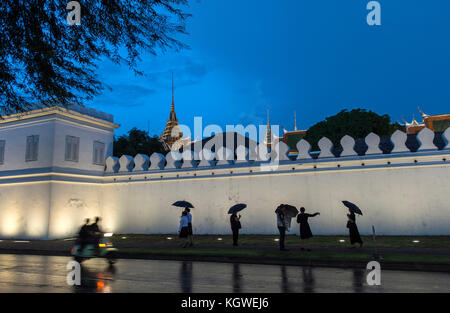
x=72 y=148
x=99 y=153
x=2 y=151
x=31 y=153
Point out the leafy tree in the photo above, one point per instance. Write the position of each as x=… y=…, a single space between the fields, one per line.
x=137 y=141
x=357 y=123
x=44 y=60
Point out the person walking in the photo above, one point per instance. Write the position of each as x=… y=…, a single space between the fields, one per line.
x=190 y=233
x=282 y=225
x=235 y=226
x=353 y=229
x=305 y=230
x=183 y=229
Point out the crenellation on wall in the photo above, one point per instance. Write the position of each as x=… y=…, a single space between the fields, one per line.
x=304 y=149
x=141 y=162
x=425 y=139
x=325 y=146
x=157 y=161
x=207 y=158
x=278 y=154
x=224 y=156
x=173 y=159
x=189 y=158
x=398 y=139
x=112 y=164
x=348 y=145
x=126 y=163
x=373 y=143
x=446 y=138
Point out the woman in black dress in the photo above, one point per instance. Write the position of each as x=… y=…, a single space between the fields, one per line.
x=353 y=229
x=305 y=230
x=235 y=226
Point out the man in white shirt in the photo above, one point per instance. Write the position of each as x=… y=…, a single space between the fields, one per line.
x=282 y=225
x=183 y=229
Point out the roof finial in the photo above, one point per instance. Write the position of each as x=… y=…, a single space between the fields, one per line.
x=173 y=104
x=424 y=116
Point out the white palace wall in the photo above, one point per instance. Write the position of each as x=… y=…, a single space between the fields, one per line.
x=402 y=193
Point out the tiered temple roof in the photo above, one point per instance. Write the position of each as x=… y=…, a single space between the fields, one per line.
x=437 y=123
x=172 y=132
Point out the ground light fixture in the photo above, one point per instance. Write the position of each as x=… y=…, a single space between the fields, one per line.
x=219 y=239
x=341 y=240
x=108 y=234
x=169 y=238
x=21 y=241
x=416 y=241
x=276 y=239
x=124 y=237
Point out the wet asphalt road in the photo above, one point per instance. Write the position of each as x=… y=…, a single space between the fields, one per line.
x=27 y=273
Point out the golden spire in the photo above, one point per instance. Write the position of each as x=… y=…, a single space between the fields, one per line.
x=171 y=132
x=173 y=115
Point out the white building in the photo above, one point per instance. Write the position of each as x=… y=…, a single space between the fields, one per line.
x=40 y=147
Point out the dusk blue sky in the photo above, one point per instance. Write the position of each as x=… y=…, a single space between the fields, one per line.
x=317 y=57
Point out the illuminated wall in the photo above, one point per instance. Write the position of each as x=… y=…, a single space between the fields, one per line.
x=402 y=193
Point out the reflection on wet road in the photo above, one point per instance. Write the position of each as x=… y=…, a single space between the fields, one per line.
x=25 y=273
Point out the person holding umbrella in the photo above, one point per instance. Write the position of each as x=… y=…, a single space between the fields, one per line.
x=351 y=223
x=281 y=224
x=305 y=230
x=235 y=221
x=235 y=226
x=190 y=233
x=183 y=229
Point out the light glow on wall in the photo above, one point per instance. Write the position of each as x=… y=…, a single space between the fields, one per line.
x=10 y=223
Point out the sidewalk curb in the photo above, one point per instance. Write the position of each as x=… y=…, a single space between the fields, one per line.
x=401 y=266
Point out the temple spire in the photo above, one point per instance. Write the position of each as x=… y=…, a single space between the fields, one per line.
x=173 y=115
x=172 y=132
x=268 y=139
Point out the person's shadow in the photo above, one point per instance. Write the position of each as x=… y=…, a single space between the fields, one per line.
x=186 y=276
x=308 y=279
x=358 y=280
x=284 y=280
x=237 y=288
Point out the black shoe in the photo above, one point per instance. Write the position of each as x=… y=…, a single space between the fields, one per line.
x=303 y=249
x=283 y=249
x=309 y=250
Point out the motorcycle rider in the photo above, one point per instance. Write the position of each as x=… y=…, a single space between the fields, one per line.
x=83 y=234
x=96 y=233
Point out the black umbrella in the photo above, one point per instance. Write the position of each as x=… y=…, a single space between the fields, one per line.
x=352 y=207
x=291 y=211
x=183 y=204
x=236 y=208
